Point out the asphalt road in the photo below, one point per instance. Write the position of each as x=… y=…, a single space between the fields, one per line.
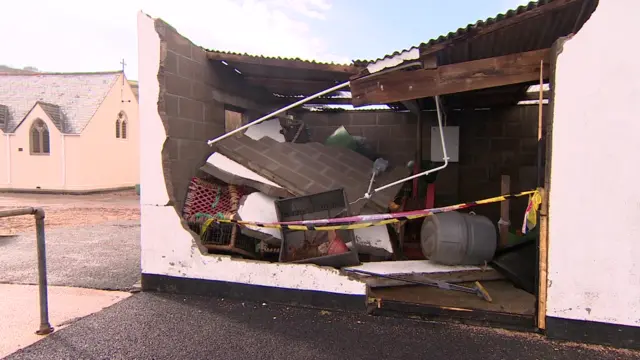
x=162 y=326
x=98 y=256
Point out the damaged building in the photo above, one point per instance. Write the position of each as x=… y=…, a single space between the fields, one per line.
x=299 y=207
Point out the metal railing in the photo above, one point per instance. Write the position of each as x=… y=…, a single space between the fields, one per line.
x=38 y=213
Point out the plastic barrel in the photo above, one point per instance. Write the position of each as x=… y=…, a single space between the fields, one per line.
x=455 y=238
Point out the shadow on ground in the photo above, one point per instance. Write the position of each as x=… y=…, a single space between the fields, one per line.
x=163 y=326
x=99 y=256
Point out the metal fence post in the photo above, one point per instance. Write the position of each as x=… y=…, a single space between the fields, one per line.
x=38 y=213
x=45 y=326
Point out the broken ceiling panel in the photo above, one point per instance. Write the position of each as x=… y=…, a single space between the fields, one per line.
x=229 y=171
x=310 y=168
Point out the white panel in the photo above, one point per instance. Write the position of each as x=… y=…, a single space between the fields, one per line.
x=258 y=207
x=452 y=143
x=270 y=128
x=594 y=220
x=411 y=267
x=224 y=163
x=152 y=135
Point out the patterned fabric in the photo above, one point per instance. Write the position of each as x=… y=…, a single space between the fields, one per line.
x=206 y=199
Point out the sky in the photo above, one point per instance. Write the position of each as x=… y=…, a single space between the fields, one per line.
x=78 y=36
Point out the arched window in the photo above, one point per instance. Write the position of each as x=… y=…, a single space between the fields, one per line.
x=121 y=125
x=39 y=138
x=124 y=129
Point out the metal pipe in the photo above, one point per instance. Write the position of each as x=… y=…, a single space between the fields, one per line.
x=290 y=106
x=444 y=153
x=17 y=212
x=307 y=99
x=38 y=213
x=45 y=326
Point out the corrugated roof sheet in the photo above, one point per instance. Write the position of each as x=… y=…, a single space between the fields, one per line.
x=277 y=58
x=558 y=25
x=71 y=99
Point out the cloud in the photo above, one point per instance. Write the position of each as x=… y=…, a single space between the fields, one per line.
x=76 y=35
x=271 y=27
x=316 y=9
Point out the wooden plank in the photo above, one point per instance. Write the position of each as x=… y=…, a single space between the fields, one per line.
x=544 y=207
x=320 y=101
x=290 y=81
x=505 y=184
x=282 y=63
x=448 y=79
x=291 y=86
x=451 y=277
x=536 y=95
x=426 y=51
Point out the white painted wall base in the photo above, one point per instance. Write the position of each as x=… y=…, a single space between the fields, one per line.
x=168 y=249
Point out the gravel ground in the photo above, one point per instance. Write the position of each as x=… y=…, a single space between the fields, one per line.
x=69 y=210
x=163 y=326
x=93 y=241
x=98 y=256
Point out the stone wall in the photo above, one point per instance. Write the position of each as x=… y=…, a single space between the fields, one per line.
x=193 y=94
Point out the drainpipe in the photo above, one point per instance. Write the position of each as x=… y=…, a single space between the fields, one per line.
x=444 y=152
x=8 y=159
x=64 y=162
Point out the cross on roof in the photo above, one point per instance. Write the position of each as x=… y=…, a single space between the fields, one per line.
x=123 y=65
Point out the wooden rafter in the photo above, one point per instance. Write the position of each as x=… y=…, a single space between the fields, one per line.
x=448 y=79
x=282 y=63
x=320 y=101
x=268 y=81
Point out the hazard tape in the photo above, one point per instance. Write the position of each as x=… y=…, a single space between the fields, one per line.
x=363 y=221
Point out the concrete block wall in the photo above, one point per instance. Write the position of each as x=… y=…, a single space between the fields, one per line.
x=193 y=94
x=497 y=142
x=391 y=134
x=492 y=143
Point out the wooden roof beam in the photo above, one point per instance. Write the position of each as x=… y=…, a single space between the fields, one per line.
x=319 y=101
x=266 y=81
x=281 y=63
x=401 y=86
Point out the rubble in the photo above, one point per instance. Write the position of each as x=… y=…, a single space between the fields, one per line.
x=310 y=168
x=263 y=158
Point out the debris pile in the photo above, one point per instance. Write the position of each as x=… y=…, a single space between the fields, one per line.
x=251 y=176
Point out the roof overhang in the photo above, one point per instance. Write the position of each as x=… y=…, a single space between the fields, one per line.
x=452 y=65
x=285 y=78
